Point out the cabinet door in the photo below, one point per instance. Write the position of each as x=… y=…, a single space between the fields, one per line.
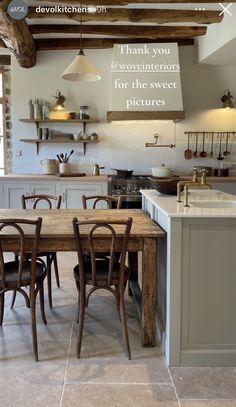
x=12 y=194
x=72 y=193
x=1 y=195
x=42 y=188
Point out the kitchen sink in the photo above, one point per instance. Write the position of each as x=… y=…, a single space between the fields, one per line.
x=214 y=204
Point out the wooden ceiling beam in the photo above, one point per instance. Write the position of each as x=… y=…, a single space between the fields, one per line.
x=16 y=36
x=155 y=16
x=98 y=43
x=156 y=32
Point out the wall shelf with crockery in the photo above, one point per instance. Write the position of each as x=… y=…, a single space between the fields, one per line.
x=39 y=141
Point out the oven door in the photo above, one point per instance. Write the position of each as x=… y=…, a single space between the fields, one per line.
x=130 y=202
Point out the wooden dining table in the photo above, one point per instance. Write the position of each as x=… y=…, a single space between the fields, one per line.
x=57 y=236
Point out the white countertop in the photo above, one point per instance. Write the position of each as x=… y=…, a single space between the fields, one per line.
x=168 y=205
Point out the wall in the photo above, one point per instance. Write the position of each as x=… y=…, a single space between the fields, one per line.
x=122 y=145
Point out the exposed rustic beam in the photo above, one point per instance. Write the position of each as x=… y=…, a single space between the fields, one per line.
x=156 y=16
x=128 y=31
x=5 y=60
x=94 y=43
x=126 y=2
x=17 y=37
x=2 y=44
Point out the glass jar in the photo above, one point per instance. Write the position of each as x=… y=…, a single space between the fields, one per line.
x=84 y=112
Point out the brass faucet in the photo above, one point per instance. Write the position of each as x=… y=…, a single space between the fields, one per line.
x=195 y=180
x=197 y=185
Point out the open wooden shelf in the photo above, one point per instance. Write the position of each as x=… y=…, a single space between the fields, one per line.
x=37 y=142
x=59 y=120
x=37 y=122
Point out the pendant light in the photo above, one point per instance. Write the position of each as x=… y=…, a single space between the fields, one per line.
x=81 y=69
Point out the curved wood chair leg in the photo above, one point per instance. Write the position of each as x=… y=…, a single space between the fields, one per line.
x=49 y=280
x=117 y=295
x=81 y=322
x=78 y=289
x=2 y=299
x=124 y=326
x=41 y=297
x=33 y=326
x=13 y=299
x=56 y=269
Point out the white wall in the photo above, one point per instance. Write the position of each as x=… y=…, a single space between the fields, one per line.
x=122 y=145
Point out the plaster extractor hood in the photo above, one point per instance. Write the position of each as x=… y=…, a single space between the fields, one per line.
x=145 y=83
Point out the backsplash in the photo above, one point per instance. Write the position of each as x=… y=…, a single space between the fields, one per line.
x=122 y=144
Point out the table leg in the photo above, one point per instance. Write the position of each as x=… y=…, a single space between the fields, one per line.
x=133 y=267
x=149 y=273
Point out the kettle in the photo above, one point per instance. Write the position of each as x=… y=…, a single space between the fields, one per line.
x=96 y=169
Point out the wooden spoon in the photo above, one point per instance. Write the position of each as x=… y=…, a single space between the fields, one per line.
x=196 y=154
x=212 y=142
x=203 y=153
x=188 y=153
x=226 y=152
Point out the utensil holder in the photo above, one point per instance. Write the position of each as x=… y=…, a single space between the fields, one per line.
x=65 y=168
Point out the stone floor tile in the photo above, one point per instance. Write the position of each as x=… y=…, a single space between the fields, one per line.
x=205 y=383
x=207 y=403
x=119 y=395
x=24 y=395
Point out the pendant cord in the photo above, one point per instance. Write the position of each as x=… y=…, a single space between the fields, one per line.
x=81 y=26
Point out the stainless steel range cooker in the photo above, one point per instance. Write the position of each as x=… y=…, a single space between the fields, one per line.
x=129 y=188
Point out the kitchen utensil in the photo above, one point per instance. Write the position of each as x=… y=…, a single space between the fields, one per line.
x=196 y=154
x=96 y=169
x=226 y=152
x=62 y=157
x=165 y=185
x=123 y=173
x=162 y=171
x=203 y=153
x=212 y=143
x=67 y=159
x=49 y=166
x=59 y=158
x=188 y=153
x=220 y=156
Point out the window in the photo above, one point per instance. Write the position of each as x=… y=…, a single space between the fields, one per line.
x=1 y=125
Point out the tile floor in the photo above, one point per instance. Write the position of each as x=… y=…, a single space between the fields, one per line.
x=103 y=376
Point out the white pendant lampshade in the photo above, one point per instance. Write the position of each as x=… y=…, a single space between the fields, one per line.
x=81 y=70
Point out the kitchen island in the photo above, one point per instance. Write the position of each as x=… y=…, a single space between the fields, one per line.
x=196 y=301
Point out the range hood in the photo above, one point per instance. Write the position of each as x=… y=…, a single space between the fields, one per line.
x=145 y=83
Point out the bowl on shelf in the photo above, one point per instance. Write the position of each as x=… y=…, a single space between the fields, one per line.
x=165 y=185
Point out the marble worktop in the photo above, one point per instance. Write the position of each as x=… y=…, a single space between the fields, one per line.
x=170 y=207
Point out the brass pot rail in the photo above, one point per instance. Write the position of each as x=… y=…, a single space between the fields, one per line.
x=222 y=136
x=156 y=136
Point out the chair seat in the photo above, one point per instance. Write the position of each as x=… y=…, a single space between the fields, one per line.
x=102 y=268
x=11 y=273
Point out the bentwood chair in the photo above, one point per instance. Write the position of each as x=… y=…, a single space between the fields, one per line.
x=25 y=272
x=102 y=273
x=50 y=202
x=94 y=200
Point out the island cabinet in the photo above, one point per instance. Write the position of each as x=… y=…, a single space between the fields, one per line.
x=196 y=278
x=71 y=189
